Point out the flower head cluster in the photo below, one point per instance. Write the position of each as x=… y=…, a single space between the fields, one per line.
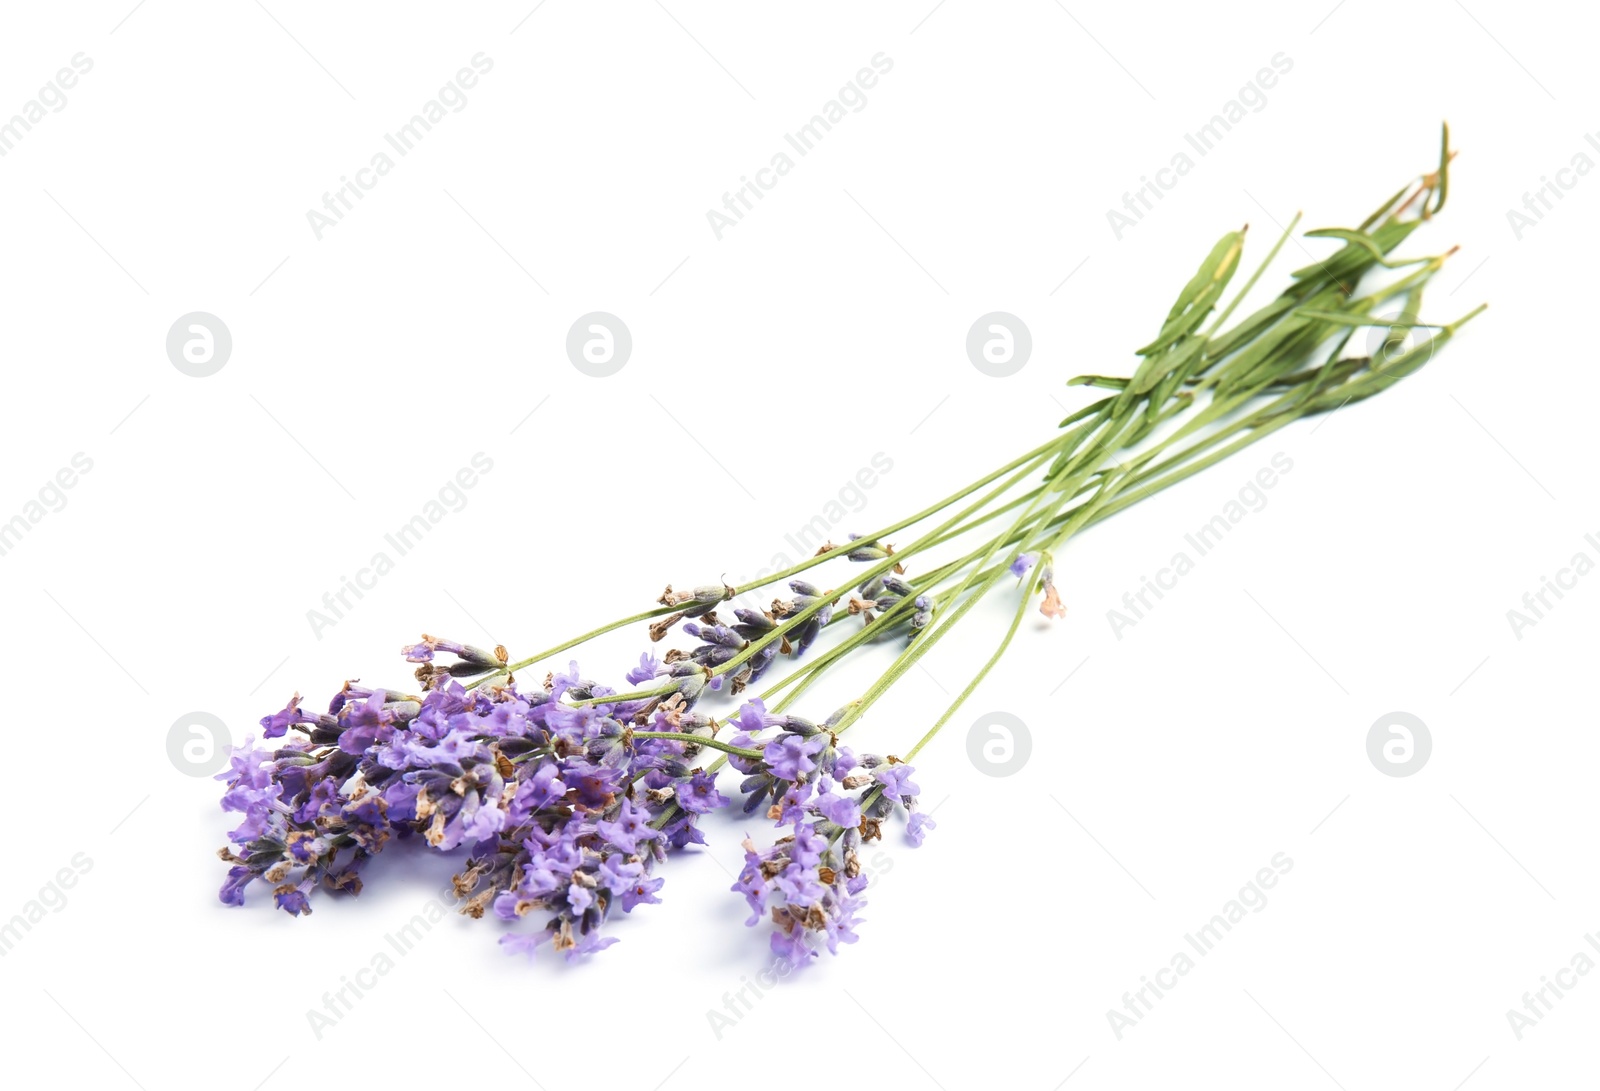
x=564 y=799
x=810 y=880
x=561 y=809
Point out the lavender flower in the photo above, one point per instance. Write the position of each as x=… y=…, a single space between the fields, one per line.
x=809 y=881
x=699 y=794
x=557 y=804
x=789 y=756
x=896 y=781
x=561 y=808
x=646 y=671
x=842 y=809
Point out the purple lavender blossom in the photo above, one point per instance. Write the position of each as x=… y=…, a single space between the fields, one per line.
x=525 y=943
x=627 y=880
x=579 y=897
x=809 y=889
x=631 y=826
x=896 y=781
x=644 y=672
x=754 y=718
x=274 y=726
x=293 y=901
x=562 y=812
x=789 y=756
x=800 y=886
x=844 y=761
x=699 y=793
x=587 y=944
x=840 y=808
x=791 y=806
x=809 y=882
x=808 y=846
x=559 y=809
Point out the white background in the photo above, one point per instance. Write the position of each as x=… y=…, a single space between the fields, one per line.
x=369 y=366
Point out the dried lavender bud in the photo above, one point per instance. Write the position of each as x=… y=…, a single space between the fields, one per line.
x=759 y=663
x=897 y=586
x=720 y=634
x=757 y=792
x=798 y=725
x=812 y=628
x=754 y=619
x=713 y=655
x=1052 y=606
x=469 y=655
x=706 y=599
x=692 y=687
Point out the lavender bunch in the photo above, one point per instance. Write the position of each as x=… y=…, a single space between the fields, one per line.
x=568 y=796
x=558 y=801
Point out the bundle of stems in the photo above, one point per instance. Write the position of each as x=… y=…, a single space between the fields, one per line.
x=1196 y=397
x=567 y=793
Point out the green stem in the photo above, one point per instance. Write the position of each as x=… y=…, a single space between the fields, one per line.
x=573 y=643
x=878 y=568
x=1035 y=455
x=698 y=740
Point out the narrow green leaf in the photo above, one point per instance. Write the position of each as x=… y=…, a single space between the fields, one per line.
x=1201 y=293
x=1087 y=411
x=1355 y=238
x=1104 y=382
